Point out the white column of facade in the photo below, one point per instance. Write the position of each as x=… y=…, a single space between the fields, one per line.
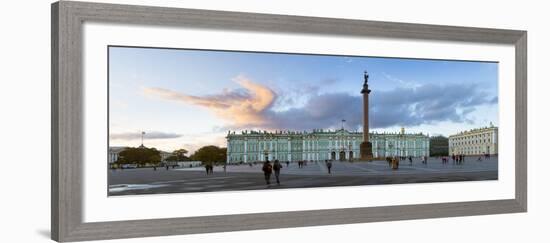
x=276 y=149
x=289 y=152
x=245 y=150
x=259 y=151
x=264 y=148
x=427 y=147
x=385 y=147
x=303 y=149
x=415 y=148
x=338 y=145
x=309 y=149
x=346 y=152
x=317 y=149
x=270 y=155
x=228 y=151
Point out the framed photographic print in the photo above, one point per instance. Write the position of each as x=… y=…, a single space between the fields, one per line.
x=239 y=121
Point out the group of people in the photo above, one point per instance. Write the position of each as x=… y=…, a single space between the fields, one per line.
x=457 y=159
x=393 y=162
x=268 y=169
x=209 y=169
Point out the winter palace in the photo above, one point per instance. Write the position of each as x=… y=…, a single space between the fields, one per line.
x=320 y=145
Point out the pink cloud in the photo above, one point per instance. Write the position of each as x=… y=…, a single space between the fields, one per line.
x=239 y=108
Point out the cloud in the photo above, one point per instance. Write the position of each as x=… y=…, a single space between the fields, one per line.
x=428 y=103
x=252 y=107
x=401 y=82
x=241 y=107
x=147 y=135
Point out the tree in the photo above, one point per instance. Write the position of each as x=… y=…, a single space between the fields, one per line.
x=210 y=154
x=139 y=155
x=178 y=155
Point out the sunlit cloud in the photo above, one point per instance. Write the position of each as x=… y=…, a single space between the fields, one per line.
x=245 y=106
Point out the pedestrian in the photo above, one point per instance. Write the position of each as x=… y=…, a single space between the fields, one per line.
x=329 y=165
x=154 y=168
x=267 y=169
x=207 y=169
x=287 y=163
x=395 y=163
x=410 y=160
x=277 y=168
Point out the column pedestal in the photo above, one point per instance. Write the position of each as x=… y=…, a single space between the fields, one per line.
x=366 y=150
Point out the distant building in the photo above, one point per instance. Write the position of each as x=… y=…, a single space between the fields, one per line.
x=188 y=163
x=164 y=155
x=113 y=153
x=439 y=146
x=478 y=141
x=320 y=145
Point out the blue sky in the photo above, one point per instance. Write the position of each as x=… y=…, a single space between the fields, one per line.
x=191 y=98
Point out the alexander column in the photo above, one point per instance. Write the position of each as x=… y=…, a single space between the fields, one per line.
x=366 y=146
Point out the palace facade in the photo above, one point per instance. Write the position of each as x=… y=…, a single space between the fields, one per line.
x=478 y=141
x=320 y=145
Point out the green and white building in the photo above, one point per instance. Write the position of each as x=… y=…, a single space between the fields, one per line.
x=320 y=145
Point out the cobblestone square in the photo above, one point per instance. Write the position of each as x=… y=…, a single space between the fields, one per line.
x=246 y=177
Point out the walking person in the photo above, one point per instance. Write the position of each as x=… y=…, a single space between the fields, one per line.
x=329 y=165
x=267 y=169
x=277 y=168
x=410 y=160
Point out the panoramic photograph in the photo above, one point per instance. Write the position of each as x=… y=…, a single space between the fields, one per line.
x=192 y=120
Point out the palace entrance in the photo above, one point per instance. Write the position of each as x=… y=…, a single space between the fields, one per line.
x=342 y=155
x=333 y=155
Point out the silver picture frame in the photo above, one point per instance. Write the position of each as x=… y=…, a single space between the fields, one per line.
x=67 y=119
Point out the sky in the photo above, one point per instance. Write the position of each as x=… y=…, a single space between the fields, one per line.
x=191 y=98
